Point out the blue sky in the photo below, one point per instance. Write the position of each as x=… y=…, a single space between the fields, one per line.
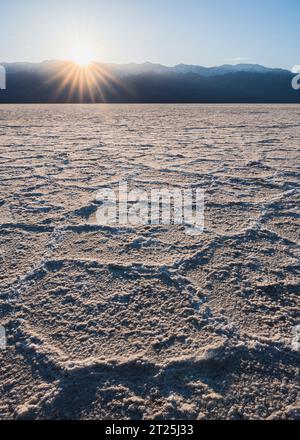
x=206 y=32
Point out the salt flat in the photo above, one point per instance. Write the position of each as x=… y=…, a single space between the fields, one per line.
x=149 y=322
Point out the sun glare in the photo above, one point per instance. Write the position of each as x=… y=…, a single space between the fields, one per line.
x=83 y=56
x=83 y=78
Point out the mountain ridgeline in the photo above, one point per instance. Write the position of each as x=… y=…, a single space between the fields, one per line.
x=64 y=82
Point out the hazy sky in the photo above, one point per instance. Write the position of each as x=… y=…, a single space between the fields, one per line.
x=206 y=32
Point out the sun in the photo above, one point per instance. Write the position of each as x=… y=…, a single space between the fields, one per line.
x=82 y=56
x=81 y=77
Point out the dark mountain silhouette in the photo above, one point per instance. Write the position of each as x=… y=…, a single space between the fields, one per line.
x=62 y=82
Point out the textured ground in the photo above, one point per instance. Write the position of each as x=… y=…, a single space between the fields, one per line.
x=148 y=322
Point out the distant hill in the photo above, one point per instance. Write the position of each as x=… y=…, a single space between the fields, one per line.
x=61 y=81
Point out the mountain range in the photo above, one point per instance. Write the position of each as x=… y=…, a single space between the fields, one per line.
x=62 y=81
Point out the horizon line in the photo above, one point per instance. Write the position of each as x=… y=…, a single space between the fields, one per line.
x=146 y=62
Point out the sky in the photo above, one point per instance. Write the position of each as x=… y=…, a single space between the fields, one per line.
x=203 y=32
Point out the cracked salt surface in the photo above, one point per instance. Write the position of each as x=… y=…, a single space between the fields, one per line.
x=148 y=322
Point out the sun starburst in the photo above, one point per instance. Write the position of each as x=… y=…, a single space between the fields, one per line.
x=84 y=80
